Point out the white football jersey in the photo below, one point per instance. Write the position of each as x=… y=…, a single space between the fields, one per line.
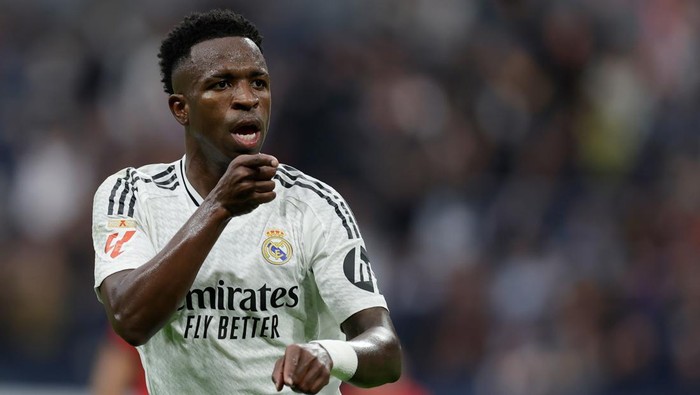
x=289 y=272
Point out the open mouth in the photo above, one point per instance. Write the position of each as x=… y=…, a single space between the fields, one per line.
x=247 y=134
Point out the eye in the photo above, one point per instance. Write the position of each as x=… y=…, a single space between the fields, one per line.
x=223 y=84
x=259 y=84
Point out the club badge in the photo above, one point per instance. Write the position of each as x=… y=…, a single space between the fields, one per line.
x=276 y=249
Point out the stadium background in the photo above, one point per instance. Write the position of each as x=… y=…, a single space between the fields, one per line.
x=524 y=172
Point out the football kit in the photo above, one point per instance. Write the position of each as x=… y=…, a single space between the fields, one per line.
x=291 y=271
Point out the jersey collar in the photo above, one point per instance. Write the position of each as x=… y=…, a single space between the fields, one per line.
x=193 y=194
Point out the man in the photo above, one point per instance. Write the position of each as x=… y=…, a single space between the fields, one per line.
x=227 y=268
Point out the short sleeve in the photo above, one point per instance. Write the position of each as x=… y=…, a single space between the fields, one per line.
x=340 y=261
x=119 y=235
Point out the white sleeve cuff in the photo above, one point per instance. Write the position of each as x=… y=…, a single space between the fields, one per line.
x=343 y=356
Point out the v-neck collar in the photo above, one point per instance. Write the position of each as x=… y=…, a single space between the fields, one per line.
x=194 y=195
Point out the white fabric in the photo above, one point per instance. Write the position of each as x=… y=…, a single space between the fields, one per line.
x=343 y=356
x=257 y=291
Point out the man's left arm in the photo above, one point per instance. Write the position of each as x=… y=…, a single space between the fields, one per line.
x=370 y=353
x=378 y=349
x=370 y=357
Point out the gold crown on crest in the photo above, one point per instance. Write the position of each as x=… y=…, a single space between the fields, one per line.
x=275 y=233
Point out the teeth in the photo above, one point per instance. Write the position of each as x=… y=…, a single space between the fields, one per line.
x=247 y=137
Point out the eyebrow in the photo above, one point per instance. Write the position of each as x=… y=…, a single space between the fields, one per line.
x=229 y=74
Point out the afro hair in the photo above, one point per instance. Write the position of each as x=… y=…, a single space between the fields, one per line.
x=198 y=27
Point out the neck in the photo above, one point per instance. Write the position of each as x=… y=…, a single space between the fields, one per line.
x=203 y=174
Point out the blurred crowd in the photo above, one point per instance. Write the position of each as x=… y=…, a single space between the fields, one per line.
x=525 y=174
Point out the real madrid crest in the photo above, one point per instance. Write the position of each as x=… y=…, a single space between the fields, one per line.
x=276 y=249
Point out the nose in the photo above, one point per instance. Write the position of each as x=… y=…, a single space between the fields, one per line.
x=244 y=98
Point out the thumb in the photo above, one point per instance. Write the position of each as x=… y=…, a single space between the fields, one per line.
x=277 y=374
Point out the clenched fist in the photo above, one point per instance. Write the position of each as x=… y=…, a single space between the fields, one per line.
x=246 y=184
x=304 y=368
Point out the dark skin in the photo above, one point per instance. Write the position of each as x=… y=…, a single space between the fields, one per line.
x=222 y=98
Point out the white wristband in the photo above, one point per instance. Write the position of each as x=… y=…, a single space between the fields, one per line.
x=343 y=356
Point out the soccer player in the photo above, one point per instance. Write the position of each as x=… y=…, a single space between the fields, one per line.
x=231 y=272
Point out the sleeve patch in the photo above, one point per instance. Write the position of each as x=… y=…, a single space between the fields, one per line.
x=121 y=224
x=116 y=241
x=358 y=270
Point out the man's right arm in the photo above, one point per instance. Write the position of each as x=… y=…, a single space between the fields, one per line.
x=139 y=302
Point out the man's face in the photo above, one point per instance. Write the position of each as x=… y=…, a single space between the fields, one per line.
x=225 y=91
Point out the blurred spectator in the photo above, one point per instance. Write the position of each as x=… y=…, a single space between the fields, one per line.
x=525 y=171
x=117 y=368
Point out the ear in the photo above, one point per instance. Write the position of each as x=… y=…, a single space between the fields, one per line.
x=178 y=106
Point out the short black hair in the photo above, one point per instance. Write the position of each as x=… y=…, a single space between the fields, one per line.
x=198 y=27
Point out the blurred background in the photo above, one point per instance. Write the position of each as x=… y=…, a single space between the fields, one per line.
x=525 y=174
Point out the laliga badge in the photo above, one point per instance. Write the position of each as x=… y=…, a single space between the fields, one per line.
x=276 y=249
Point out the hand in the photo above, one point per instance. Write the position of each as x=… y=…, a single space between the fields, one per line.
x=247 y=183
x=304 y=368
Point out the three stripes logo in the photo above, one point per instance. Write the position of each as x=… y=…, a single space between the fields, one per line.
x=356 y=265
x=122 y=199
x=290 y=177
x=358 y=270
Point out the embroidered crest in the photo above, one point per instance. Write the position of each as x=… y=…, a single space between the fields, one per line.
x=276 y=249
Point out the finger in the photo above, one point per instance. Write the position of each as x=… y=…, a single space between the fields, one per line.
x=310 y=372
x=259 y=198
x=291 y=362
x=264 y=172
x=277 y=374
x=314 y=377
x=264 y=186
x=256 y=160
x=317 y=377
x=245 y=187
x=274 y=162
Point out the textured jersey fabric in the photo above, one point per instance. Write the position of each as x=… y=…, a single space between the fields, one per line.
x=289 y=272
